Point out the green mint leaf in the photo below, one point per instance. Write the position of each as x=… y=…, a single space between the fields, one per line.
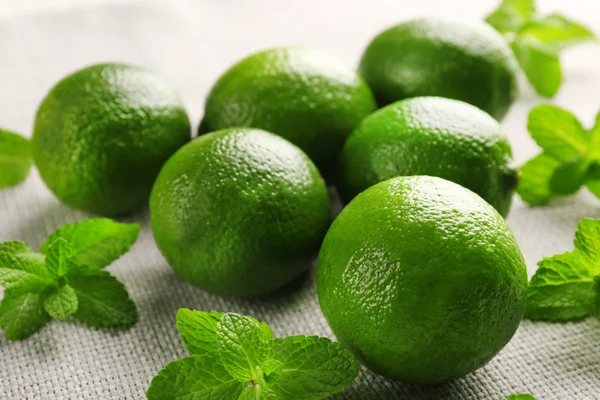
x=534 y=185
x=97 y=242
x=540 y=63
x=558 y=132
x=260 y=392
x=198 y=329
x=23 y=315
x=587 y=242
x=241 y=345
x=21 y=270
x=59 y=257
x=195 y=377
x=561 y=289
x=558 y=32
x=15 y=158
x=312 y=367
x=103 y=300
x=520 y=397
x=511 y=15
x=61 y=303
x=569 y=177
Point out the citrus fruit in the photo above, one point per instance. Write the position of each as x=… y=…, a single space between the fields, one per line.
x=435 y=57
x=102 y=134
x=430 y=136
x=239 y=212
x=304 y=95
x=421 y=279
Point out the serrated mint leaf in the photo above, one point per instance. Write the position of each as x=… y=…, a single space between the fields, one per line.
x=96 y=242
x=569 y=177
x=511 y=15
x=540 y=63
x=59 y=257
x=198 y=329
x=558 y=32
x=15 y=158
x=241 y=345
x=61 y=303
x=103 y=301
x=21 y=270
x=534 y=185
x=561 y=289
x=312 y=367
x=520 y=397
x=22 y=315
x=195 y=377
x=587 y=242
x=558 y=132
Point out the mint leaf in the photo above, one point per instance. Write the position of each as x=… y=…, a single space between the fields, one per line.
x=195 y=377
x=241 y=345
x=59 y=257
x=21 y=270
x=312 y=367
x=103 y=300
x=563 y=287
x=22 y=315
x=534 y=185
x=259 y=392
x=520 y=397
x=15 y=158
x=558 y=32
x=569 y=177
x=198 y=329
x=61 y=303
x=540 y=63
x=96 y=242
x=511 y=15
x=558 y=132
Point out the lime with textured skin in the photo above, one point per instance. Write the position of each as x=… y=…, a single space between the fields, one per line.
x=239 y=212
x=421 y=279
x=102 y=134
x=433 y=57
x=304 y=95
x=430 y=136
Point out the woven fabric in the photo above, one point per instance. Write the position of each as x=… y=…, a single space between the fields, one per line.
x=190 y=43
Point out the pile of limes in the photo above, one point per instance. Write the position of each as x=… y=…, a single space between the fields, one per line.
x=419 y=276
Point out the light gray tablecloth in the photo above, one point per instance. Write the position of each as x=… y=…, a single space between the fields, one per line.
x=191 y=43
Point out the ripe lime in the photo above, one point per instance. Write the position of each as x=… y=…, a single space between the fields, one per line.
x=102 y=134
x=304 y=95
x=431 y=57
x=430 y=136
x=239 y=212
x=421 y=279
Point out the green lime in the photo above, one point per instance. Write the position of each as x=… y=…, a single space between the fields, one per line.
x=239 y=212
x=102 y=134
x=431 y=57
x=421 y=279
x=303 y=95
x=430 y=136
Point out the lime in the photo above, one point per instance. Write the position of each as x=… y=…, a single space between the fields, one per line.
x=432 y=57
x=102 y=134
x=304 y=95
x=430 y=136
x=421 y=279
x=239 y=212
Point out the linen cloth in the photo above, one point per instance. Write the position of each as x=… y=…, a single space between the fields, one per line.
x=190 y=43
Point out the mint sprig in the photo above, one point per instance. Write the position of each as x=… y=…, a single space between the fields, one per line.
x=235 y=357
x=67 y=279
x=570 y=157
x=15 y=158
x=567 y=286
x=537 y=41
